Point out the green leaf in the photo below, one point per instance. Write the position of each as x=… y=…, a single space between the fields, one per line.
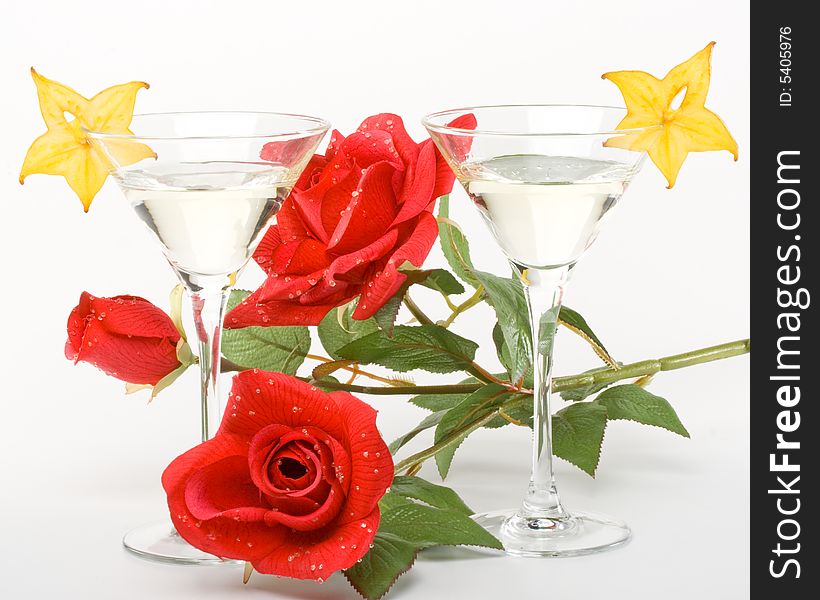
x=338 y=329
x=633 y=403
x=391 y=501
x=426 y=526
x=428 y=422
x=501 y=349
x=428 y=347
x=437 y=402
x=385 y=317
x=429 y=493
x=576 y=323
x=270 y=348
x=472 y=408
x=442 y=281
x=320 y=383
x=578 y=433
x=379 y=569
x=521 y=410
x=235 y=297
x=506 y=296
x=454 y=245
x=407 y=526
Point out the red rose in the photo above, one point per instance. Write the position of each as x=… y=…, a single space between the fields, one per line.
x=291 y=482
x=126 y=336
x=353 y=218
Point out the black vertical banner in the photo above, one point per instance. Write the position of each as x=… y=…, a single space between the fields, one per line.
x=785 y=421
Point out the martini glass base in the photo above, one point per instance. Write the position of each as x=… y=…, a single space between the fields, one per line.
x=578 y=534
x=160 y=542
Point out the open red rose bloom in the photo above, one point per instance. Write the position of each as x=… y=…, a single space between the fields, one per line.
x=126 y=336
x=352 y=220
x=291 y=481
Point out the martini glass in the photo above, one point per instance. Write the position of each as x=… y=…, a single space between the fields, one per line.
x=208 y=188
x=544 y=178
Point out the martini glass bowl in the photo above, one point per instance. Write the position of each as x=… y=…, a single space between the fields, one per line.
x=207 y=185
x=544 y=178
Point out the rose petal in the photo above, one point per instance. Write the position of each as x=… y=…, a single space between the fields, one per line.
x=137 y=360
x=286 y=286
x=328 y=291
x=336 y=140
x=335 y=200
x=312 y=171
x=321 y=517
x=368 y=213
x=76 y=328
x=415 y=249
x=282 y=479
x=310 y=201
x=286 y=152
x=368 y=148
x=252 y=312
x=318 y=554
x=368 y=254
x=330 y=496
x=282 y=400
x=418 y=193
x=273 y=443
x=132 y=315
x=221 y=536
x=300 y=258
x=264 y=251
x=408 y=149
x=224 y=486
x=445 y=177
x=371 y=463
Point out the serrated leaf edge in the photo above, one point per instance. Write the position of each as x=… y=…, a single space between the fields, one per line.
x=597 y=458
x=390 y=585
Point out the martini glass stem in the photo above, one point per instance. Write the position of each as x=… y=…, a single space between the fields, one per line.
x=209 y=309
x=544 y=289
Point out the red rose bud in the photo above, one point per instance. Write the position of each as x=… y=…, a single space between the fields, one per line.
x=126 y=336
x=353 y=219
x=291 y=482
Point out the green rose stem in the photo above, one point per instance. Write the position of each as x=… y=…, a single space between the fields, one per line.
x=652 y=366
x=638 y=369
x=473 y=300
x=559 y=384
x=416 y=311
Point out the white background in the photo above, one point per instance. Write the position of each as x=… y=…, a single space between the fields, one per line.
x=80 y=462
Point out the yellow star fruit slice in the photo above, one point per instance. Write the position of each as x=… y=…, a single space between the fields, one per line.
x=691 y=127
x=65 y=150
